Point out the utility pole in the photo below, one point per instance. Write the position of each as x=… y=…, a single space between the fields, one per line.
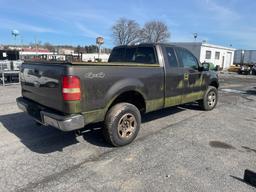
x=99 y=42
x=36 y=46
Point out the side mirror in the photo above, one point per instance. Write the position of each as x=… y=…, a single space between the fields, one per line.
x=204 y=67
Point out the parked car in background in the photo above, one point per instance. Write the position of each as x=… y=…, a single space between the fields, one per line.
x=254 y=69
x=246 y=59
x=234 y=68
x=245 y=69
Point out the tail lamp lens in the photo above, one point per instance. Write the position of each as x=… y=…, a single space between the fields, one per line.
x=71 y=88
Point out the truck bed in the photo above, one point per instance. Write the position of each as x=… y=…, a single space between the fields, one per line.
x=127 y=64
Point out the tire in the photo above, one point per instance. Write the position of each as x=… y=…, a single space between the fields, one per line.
x=122 y=124
x=38 y=124
x=210 y=99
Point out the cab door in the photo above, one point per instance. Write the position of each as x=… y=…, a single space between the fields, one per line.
x=193 y=79
x=173 y=78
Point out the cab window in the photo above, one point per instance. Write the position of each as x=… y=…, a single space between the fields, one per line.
x=145 y=55
x=171 y=57
x=187 y=59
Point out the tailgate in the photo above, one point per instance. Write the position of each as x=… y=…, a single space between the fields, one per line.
x=42 y=83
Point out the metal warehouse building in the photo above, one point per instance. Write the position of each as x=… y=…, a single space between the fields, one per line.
x=218 y=55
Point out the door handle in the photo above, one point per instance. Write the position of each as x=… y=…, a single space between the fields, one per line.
x=186 y=75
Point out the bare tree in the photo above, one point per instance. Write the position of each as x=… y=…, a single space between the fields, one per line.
x=49 y=46
x=154 y=32
x=125 y=32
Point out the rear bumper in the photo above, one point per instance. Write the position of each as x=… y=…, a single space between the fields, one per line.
x=47 y=117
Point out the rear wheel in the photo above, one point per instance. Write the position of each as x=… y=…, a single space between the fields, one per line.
x=122 y=124
x=38 y=124
x=210 y=99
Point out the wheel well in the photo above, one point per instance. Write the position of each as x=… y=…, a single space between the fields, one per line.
x=214 y=84
x=132 y=97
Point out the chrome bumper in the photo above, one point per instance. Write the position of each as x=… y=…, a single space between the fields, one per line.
x=64 y=123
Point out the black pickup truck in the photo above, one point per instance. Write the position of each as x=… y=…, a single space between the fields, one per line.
x=136 y=80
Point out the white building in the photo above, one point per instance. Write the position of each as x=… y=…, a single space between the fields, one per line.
x=92 y=57
x=218 y=55
x=56 y=57
x=66 y=51
x=29 y=53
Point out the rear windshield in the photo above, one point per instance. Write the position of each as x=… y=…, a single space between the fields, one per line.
x=133 y=55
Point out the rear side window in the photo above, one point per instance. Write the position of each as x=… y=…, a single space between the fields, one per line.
x=187 y=59
x=171 y=57
x=134 y=55
x=145 y=55
x=117 y=55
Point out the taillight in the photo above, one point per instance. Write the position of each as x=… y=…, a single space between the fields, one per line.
x=71 y=88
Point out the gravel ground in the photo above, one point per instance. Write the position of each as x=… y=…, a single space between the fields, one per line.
x=177 y=149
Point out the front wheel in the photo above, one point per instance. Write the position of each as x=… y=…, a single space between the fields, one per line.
x=210 y=99
x=122 y=124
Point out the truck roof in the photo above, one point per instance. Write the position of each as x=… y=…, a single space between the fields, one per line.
x=146 y=45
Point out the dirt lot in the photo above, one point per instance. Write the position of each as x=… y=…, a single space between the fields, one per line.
x=178 y=149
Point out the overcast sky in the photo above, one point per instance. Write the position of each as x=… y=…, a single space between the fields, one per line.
x=222 y=22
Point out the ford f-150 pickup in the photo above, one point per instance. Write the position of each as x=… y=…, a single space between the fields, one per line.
x=136 y=80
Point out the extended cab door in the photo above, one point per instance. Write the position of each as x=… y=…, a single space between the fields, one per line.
x=193 y=79
x=173 y=79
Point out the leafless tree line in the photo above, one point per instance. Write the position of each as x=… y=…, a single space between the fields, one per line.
x=128 y=32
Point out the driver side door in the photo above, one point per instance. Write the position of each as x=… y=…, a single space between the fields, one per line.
x=193 y=80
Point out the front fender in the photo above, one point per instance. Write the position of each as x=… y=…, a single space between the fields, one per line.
x=214 y=81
